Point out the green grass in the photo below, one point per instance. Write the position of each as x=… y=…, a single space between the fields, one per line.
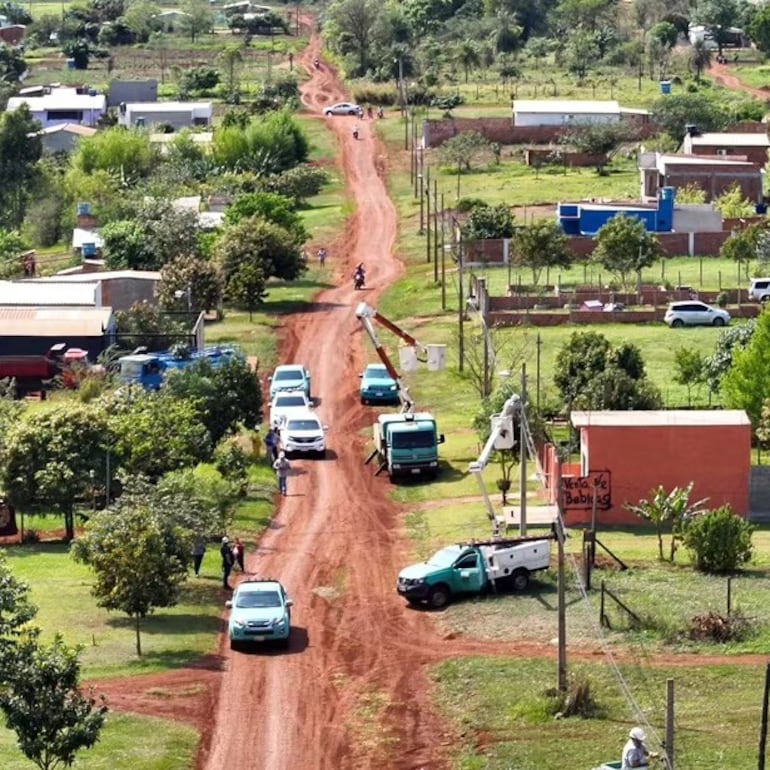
x=503 y=717
x=127 y=743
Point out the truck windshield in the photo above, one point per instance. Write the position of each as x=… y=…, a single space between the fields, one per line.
x=304 y=425
x=446 y=557
x=418 y=439
x=131 y=370
x=288 y=374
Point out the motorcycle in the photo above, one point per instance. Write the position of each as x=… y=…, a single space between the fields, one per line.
x=317 y=64
x=355 y=133
x=359 y=280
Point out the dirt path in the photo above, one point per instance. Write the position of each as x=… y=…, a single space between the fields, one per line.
x=721 y=74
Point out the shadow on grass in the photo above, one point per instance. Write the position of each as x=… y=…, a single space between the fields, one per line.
x=24 y=550
x=180 y=623
x=164 y=659
x=447 y=474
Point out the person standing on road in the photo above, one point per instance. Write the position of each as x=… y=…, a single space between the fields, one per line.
x=227 y=563
x=199 y=548
x=238 y=554
x=282 y=468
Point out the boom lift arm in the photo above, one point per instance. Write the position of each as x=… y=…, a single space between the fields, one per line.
x=367 y=315
x=503 y=430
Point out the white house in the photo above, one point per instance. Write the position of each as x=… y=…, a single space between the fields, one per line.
x=564 y=112
x=176 y=114
x=63 y=105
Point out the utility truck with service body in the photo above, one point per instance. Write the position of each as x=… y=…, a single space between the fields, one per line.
x=474 y=568
x=405 y=444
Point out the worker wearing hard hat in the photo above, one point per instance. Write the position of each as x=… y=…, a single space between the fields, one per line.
x=635 y=752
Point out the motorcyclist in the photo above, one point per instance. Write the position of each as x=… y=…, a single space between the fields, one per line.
x=316 y=63
x=355 y=131
x=380 y=112
x=359 y=276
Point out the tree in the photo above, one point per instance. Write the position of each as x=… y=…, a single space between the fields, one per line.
x=143 y=325
x=741 y=246
x=141 y=17
x=614 y=390
x=268 y=246
x=689 y=369
x=44 y=705
x=197 y=20
x=203 y=280
x=586 y=14
x=154 y=433
x=733 y=204
x=581 y=52
x=463 y=150
x=599 y=139
x=578 y=361
x=16 y=613
x=468 y=56
x=485 y=221
x=138 y=560
x=730 y=341
x=49 y=456
x=717 y=16
x=20 y=149
x=759 y=29
x=675 y=111
x=197 y=81
x=225 y=397
x=541 y=244
x=127 y=155
x=672 y=509
x=231 y=58
x=246 y=287
x=746 y=384
x=719 y=540
x=665 y=33
x=352 y=30
x=278 y=209
x=700 y=58
x=623 y=246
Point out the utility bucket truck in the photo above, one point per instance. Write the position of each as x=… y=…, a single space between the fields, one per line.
x=474 y=568
x=406 y=444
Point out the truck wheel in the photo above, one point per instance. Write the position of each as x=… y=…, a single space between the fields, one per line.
x=439 y=597
x=520 y=580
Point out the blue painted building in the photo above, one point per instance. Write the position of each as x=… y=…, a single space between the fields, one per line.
x=589 y=218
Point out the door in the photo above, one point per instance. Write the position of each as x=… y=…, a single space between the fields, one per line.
x=468 y=573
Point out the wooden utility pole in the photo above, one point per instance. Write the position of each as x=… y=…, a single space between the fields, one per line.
x=561 y=677
x=669 y=724
x=427 y=222
x=523 y=453
x=763 y=725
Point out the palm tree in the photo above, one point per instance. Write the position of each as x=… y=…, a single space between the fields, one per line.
x=700 y=58
x=468 y=56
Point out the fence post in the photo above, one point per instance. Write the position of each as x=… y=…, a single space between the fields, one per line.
x=601 y=607
x=729 y=595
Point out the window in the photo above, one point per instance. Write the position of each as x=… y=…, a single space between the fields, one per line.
x=467 y=562
x=73 y=116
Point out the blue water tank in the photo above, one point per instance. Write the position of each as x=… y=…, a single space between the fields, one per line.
x=70 y=64
x=92 y=92
x=89 y=250
x=84 y=209
x=665 y=86
x=666 y=210
x=761 y=208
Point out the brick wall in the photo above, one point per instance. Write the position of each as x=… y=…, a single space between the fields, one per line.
x=502 y=130
x=708 y=244
x=541 y=156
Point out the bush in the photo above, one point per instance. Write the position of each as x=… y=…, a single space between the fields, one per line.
x=713 y=627
x=719 y=540
x=299 y=183
x=722 y=299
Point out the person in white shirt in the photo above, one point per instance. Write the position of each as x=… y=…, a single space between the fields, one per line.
x=635 y=752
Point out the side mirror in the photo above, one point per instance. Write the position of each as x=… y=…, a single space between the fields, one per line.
x=270 y=378
x=289 y=603
x=326 y=427
x=361 y=375
x=441 y=438
x=229 y=604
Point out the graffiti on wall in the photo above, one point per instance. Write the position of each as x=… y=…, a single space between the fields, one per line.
x=579 y=491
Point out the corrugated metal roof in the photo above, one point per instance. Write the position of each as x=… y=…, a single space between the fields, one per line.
x=567 y=106
x=105 y=275
x=169 y=106
x=59 y=99
x=69 y=128
x=660 y=417
x=733 y=139
x=54 y=322
x=34 y=293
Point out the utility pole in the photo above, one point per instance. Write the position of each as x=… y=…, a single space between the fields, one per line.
x=460 y=303
x=522 y=452
x=421 y=175
x=561 y=675
x=427 y=222
x=669 y=724
x=435 y=221
x=763 y=724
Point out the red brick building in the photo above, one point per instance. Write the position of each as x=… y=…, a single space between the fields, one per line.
x=624 y=455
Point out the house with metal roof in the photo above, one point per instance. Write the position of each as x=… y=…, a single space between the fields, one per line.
x=118 y=289
x=568 y=112
x=178 y=115
x=729 y=144
x=33 y=330
x=64 y=137
x=36 y=293
x=63 y=105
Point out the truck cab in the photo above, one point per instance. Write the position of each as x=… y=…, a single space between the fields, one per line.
x=408 y=443
x=456 y=569
x=143 y=369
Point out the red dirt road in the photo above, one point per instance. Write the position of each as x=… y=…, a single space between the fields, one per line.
x=721 y=74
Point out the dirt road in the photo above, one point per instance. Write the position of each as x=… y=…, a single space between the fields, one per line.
x=721 y=74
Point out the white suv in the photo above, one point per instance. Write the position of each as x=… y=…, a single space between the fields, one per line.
x=760 y=289
x=303 y=433
x=693 y=313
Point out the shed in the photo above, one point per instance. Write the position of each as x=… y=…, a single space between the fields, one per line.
x=33 y=330
x=64 y=137
x=626 y=454
x=564 y=112
x=51 y=293
x=744 y=146
x=178 y=115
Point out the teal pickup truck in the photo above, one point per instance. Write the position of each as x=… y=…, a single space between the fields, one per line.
x=472 y=568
